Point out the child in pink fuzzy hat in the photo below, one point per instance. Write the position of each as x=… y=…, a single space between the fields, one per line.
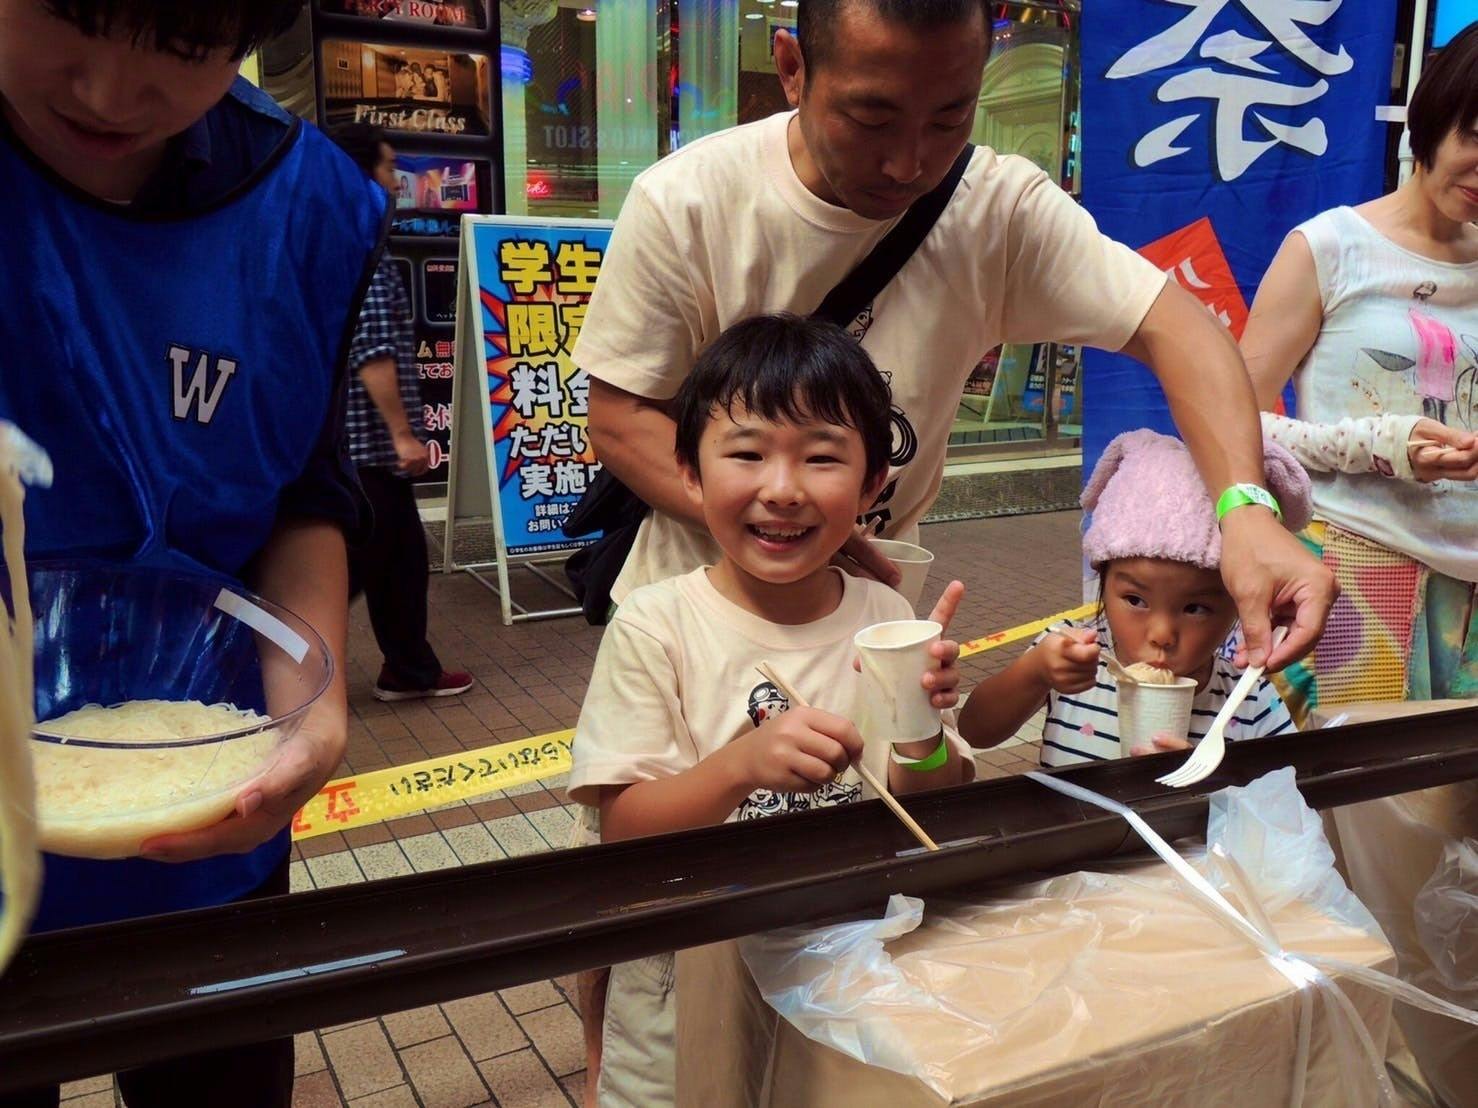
x=1154 y=540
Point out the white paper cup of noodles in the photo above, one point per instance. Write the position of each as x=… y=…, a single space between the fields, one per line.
x=913 y=563
x=1149 y=710
x=895 y=705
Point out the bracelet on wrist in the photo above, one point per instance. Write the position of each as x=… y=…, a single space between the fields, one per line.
x=929 y=762
x=1241 y=495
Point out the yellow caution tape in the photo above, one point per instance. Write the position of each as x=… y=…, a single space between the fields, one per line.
x=1026 y=630
x=388 y=793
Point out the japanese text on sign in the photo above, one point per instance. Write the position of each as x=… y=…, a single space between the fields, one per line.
x=1236 y=80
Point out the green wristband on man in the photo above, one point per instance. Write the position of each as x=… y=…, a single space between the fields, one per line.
x=1239 y=496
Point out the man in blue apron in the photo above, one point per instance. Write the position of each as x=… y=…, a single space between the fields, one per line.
x=180 y=272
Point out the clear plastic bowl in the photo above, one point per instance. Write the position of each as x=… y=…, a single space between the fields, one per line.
x=108 y=634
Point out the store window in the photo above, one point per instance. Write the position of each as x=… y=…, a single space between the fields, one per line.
x=1028 y=396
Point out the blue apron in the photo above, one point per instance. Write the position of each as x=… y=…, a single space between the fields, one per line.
x=180 y=372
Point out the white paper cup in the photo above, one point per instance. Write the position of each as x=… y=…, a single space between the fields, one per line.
x=895 y=705
x=1149 y=710
x=913 y=563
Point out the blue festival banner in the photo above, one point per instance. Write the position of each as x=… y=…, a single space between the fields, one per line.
x=532 y=280
x=1211 y=128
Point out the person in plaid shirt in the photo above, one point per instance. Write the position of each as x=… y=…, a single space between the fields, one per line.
x=386 y=442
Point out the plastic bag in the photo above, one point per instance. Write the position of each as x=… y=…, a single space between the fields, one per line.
x=1279 y=842
x=1112 y=985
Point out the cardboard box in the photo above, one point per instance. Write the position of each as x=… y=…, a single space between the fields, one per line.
x=1094 y=988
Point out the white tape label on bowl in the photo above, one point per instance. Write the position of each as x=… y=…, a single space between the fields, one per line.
x=263 y=622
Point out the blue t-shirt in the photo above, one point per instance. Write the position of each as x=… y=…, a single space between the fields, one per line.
x=182 y=360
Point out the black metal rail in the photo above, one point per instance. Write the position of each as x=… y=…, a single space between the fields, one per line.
x=94 y=999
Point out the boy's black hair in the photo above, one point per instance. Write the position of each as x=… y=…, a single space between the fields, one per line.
x=816 y=20
x=362 y=142
x=1446 y=97
x=787 y=367
x=188 y=27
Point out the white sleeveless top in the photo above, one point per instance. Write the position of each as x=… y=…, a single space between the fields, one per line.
x=1400 y=336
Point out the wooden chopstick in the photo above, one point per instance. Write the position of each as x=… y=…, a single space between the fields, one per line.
x=1417 y=444
x=798 y=701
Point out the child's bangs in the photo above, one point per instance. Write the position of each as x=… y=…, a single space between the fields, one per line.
x=778 y=396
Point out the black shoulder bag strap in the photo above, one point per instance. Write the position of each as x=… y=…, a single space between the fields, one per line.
x=859 y=288
x=612 y=508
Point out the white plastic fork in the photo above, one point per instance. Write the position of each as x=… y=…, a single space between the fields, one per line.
x=1213 y=748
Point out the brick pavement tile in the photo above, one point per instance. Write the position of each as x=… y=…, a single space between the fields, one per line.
x=92 y=1100
x=558 y=1037
x=429 y=852
x=522 y=999
x=415 y=1025
x=398 y=1097
x=387 y=727
x=103 y=1083
x=535 y=801
x=496 y=808
x=474 y=844
x=368 y=835
x=299 y=880
x=307 y=1054
x=574 y=1087
x=441 y=743
x=517 y=836
x=567 y=985
x=555 y=824
x=363 y=1059
x=332 y=843
x=523 y=790
x=485 y=1027
x=459 y=816
x=335 y=869
x=521 y=1081
x=410 y=826
x=381 y=860
x=443 y=1075
x=316 y=1091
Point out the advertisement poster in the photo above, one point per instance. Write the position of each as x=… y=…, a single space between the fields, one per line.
x=1213 y=128
x=439 y=183
x=403 y=88
x=532 y=282
x=456 y=13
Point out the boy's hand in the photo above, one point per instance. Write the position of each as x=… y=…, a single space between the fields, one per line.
x=1068 y=660
x=1158 y=745
x=943 y=680
x=797 y=751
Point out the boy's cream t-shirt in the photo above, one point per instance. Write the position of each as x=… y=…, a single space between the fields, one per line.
x=723 y=229
x=675 y=681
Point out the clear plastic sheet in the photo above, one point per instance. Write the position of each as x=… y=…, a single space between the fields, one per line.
x=1107 y=987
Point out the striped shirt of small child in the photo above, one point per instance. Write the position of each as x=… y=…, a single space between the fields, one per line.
x=1084 y=727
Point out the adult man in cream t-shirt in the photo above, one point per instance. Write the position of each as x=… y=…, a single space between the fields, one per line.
x=769 y=216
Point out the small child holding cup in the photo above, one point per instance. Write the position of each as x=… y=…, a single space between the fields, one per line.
x=1154 y=540
x=783 y=433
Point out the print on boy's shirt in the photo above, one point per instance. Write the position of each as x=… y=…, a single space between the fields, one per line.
x=766 y=702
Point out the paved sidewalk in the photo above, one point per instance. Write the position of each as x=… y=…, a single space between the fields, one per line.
x=522 y=1048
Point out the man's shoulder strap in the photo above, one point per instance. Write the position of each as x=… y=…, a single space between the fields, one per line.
x=871 y=275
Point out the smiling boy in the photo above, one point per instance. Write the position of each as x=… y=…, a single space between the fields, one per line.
x=178 y=277
x=782 y=438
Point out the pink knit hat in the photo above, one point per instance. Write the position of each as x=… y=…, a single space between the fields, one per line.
x=1148 y=501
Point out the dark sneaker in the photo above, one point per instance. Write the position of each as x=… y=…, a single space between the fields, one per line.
x=388 y=687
